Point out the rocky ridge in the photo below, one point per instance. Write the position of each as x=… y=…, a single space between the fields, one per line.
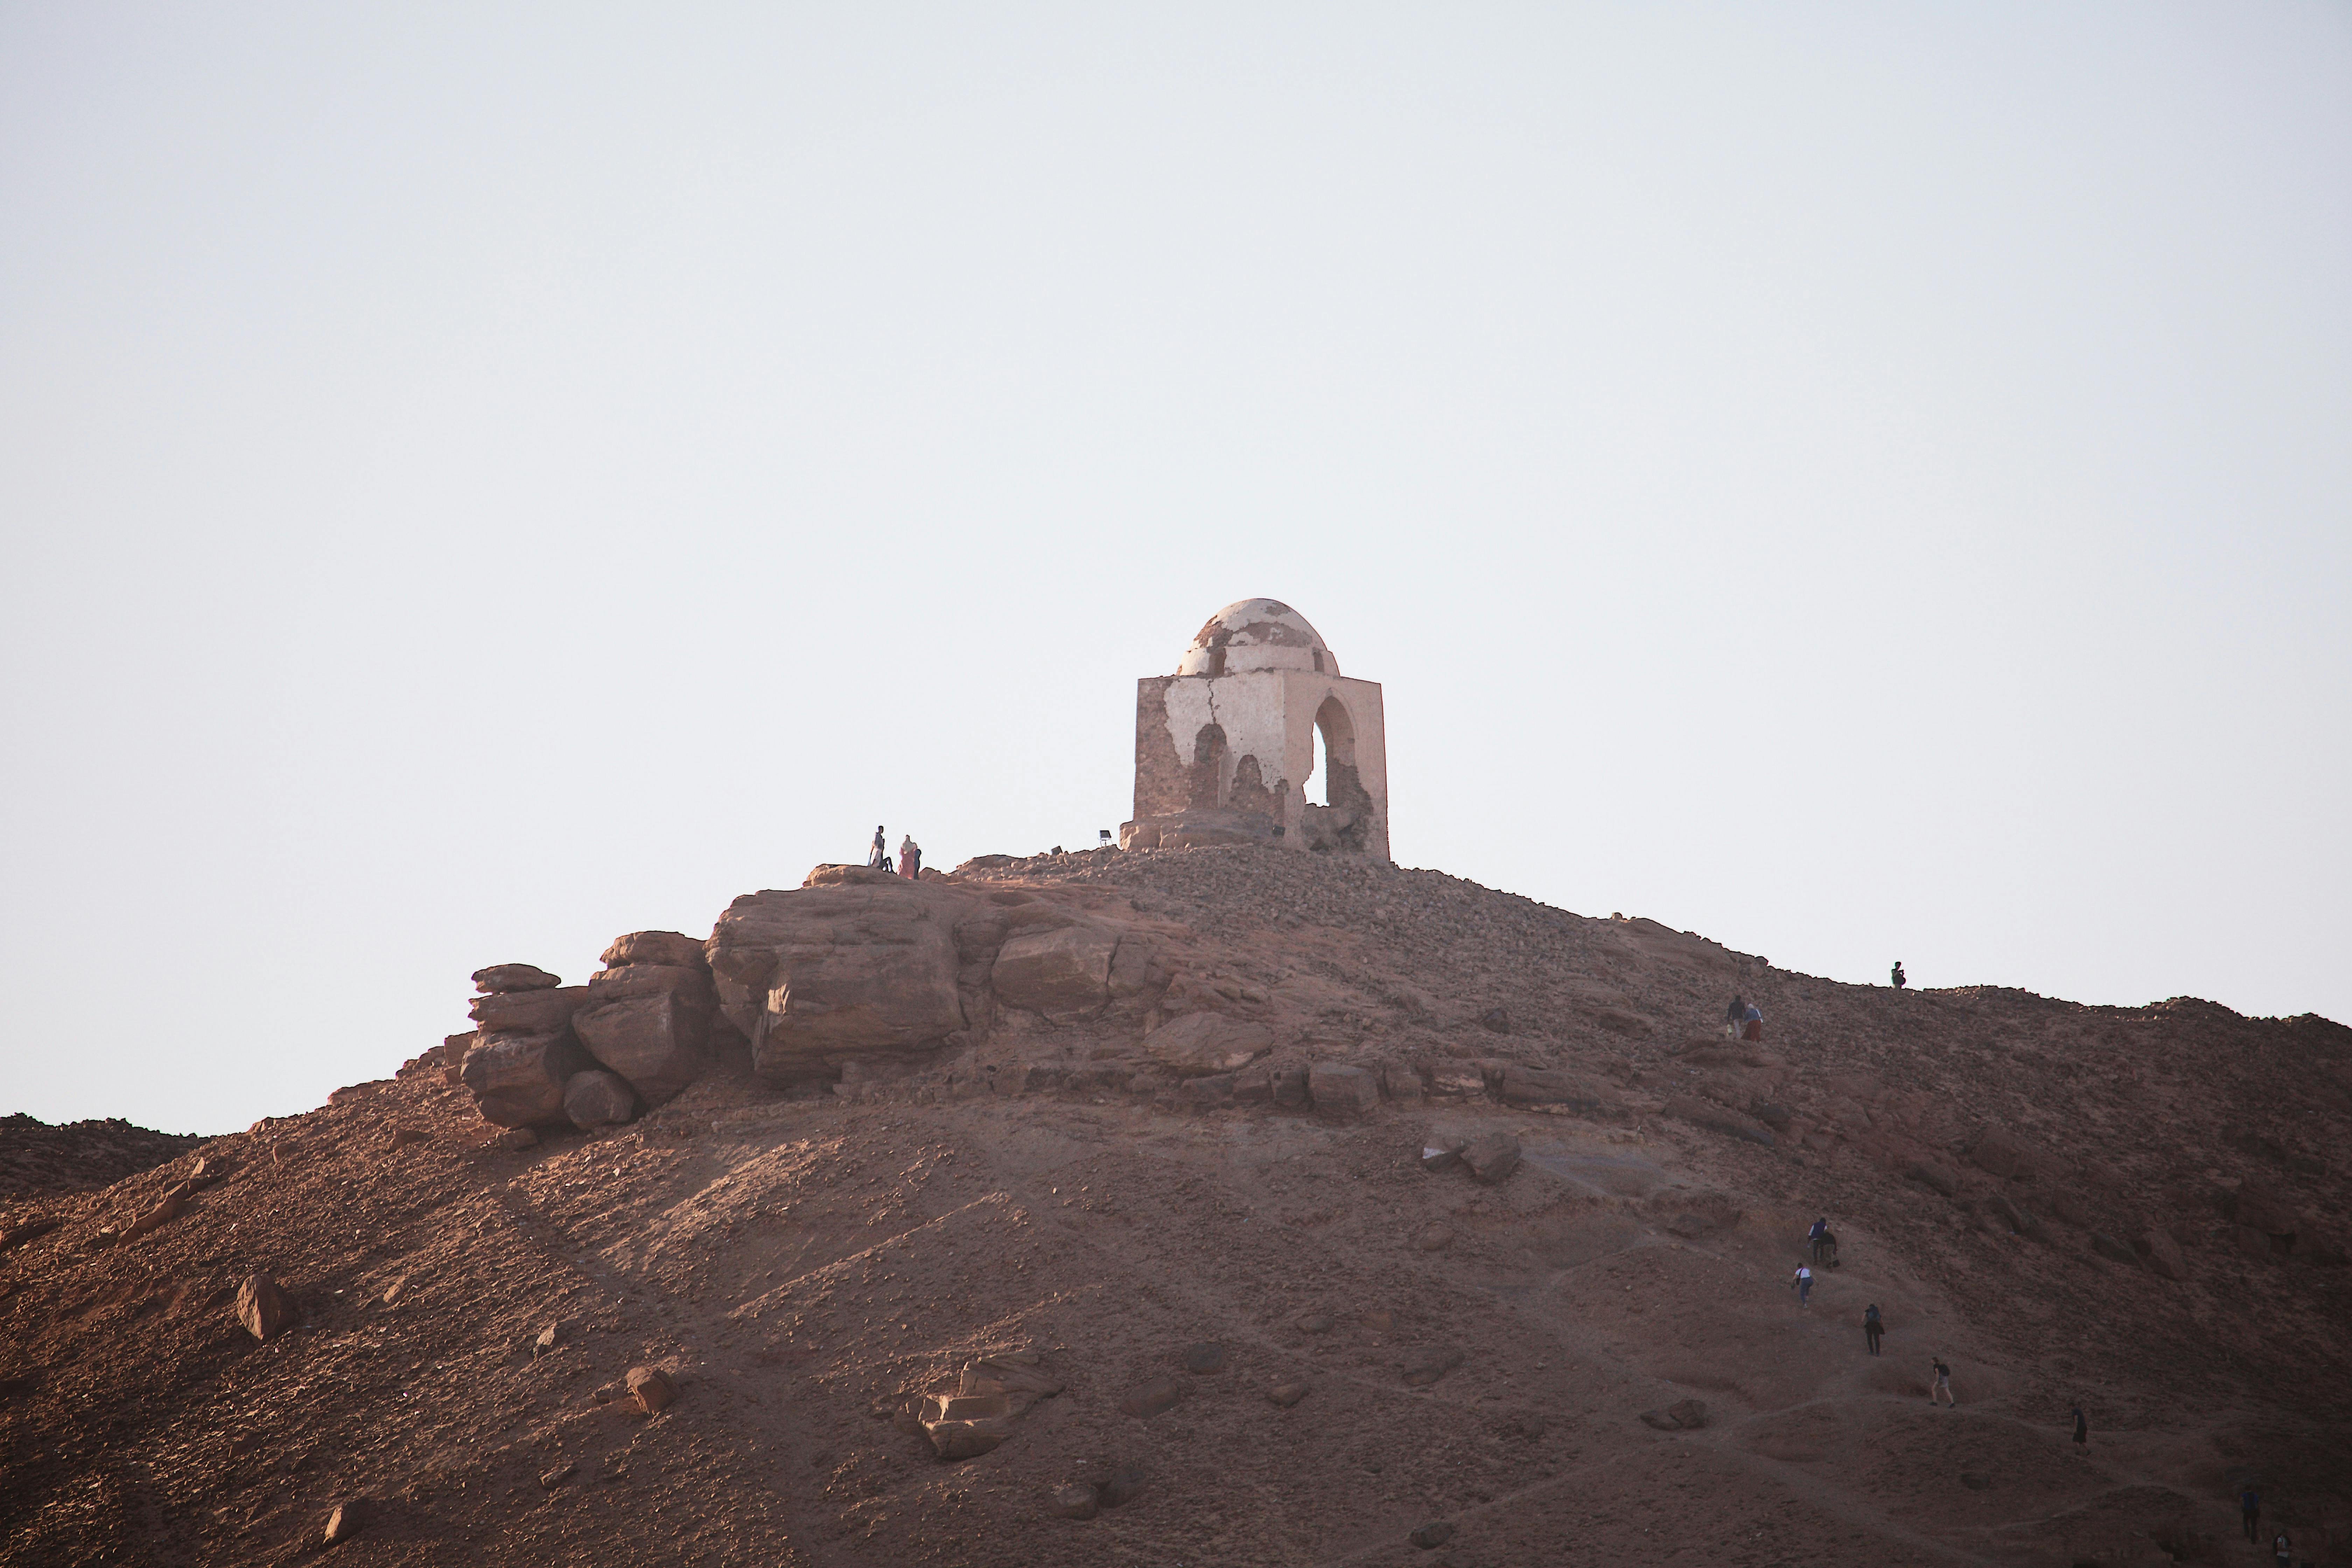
x=1226 y=1204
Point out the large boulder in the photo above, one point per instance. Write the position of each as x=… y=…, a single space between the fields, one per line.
x=1064 y=974
x=636 y=980
x=535 y=1012
x=659 y=1043
x=855 y=963
x=668 y=947
x=514 y=977
x=597 y=1098
x=517 y=1080
x=1200 y=1045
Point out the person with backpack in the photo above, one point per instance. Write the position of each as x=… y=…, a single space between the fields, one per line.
x=1943 y=1383
x=1874 y=1328
x=1817 y=1235
x=2284 y=1549
x=1803 y=1280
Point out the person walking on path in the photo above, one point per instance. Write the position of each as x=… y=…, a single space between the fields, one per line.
x=1943 y=1383
x=1901 y=979
x=1872 y=1327
x=880 y=853
x=1752 y=1025
x=1818 y=1235
x=2082 y=1428
x=910 y=858
x=1803 y=1280
x=1733 y=1017
x=2250 y=1512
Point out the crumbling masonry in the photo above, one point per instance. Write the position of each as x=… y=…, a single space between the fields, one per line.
x=1224 y=748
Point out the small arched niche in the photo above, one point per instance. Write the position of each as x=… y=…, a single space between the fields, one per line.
x=1208 y=776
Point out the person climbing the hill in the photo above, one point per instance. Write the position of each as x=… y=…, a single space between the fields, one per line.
x=2250 y=1512
x=1901 y=979
x=1752 y=1027
x=1943 y=1383
x=1803 y=1280
x=876 y=857
x=1828 y=1247
x=1874 y=1328
x=911 y=856
x=1821 y=1229
x=2082 y=1427
x=1733 y=1017
x=2284 y=1549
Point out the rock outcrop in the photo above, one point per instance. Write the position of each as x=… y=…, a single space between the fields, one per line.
x=856 y=962
x=649 y=1012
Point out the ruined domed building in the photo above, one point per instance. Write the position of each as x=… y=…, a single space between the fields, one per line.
x=1225 y=748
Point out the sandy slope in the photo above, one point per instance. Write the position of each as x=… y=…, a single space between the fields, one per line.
x=804 y=1264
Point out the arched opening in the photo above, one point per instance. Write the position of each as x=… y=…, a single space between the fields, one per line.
x=1208 y=778
x=1342 y=817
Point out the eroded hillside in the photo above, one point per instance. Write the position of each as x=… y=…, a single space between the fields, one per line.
x=1218 y=1278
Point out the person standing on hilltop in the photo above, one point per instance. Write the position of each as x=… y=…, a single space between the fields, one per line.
x=910 y=858
x=880 y=854
x=1873 y=1329
x=1901 y=979
x=1733 y=1017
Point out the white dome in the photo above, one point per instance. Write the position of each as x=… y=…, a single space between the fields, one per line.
x=1257 y=634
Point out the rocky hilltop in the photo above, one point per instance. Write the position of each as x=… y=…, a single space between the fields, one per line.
x=1224 y=1206
x=35 y=1157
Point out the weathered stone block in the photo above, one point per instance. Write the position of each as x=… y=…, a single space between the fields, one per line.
x=1063 y=973
x=1342 y=1092
x=659 y=1043
x=534 y=1012
x=1199 y=1045
x=517 y=1080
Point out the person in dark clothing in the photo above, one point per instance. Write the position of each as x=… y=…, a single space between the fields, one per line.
x=2082 y=1426
x=1733 y=1017
x=2250 y=1512
x=1901 y=979
x=1821 y=1229
x=1828 y=1247
x=1874 y=1328
x=2284 y=1549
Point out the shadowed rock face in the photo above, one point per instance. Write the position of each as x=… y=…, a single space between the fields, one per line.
x=856 y=962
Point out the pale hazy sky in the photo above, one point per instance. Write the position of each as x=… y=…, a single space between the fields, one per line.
x=1859 y=482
